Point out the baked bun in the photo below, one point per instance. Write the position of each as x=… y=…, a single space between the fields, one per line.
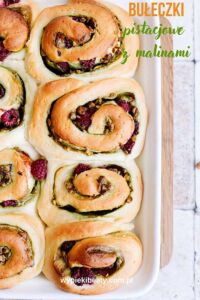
x=90 y=191
x=21 y=248
x=82 y=39
x=91 y=258
x=103 y=120
x=15 y=23
x=17 y=92
x=17 y=185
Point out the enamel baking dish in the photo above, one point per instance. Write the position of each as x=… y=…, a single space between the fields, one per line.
x=147 y=224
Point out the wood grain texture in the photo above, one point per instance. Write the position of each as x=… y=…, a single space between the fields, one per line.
x=167 y=151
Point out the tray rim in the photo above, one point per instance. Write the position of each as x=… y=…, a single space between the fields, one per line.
x=157 y=225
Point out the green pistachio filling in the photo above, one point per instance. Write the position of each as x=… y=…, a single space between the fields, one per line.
x=82 y=118
x=23 y=201
x=105 y=186
x=5 y=175
x=62 y=267
x=7 y=251
x=67 y=68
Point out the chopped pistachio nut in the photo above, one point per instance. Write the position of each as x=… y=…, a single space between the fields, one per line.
x=5 y=175
x=5 y=254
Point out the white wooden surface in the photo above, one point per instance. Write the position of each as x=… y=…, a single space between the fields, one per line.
x=188 y=22
x=181 y=278
x=176 y=281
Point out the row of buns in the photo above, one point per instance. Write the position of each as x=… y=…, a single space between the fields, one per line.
x=72 y=121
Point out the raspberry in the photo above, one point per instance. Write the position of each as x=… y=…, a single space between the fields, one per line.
x=39 y=169
x=124 y=104
x=3 y=51
x=9 y=2
x=81 y=168
x=9 y=203
x=87 y=65
x=2 y=91
x=89 y=23
x=127 y=148
x=10 y=118
x=63 y=66
x=83 y=276
x=84 y=120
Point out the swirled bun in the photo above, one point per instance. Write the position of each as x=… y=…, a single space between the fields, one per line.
x=21 y=248
x=83 y=40
x=13 y=29
x=104 y=120
x=15 y=23
x=17 y=185
x=91 y=191
x=91 y=258
x=17 y=91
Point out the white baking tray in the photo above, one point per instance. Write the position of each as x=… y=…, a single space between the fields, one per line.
x=147 y=224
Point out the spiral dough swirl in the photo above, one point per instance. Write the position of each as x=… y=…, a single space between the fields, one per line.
x=104 y=117
x=16 y=181
x=98 y=189
x=79 y=254
x=15 y=251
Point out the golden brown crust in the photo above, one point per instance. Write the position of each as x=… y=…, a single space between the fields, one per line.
x=93 y=234
x=95 y=140
x=83 y=253
x=12 y=73
x=80 y=230
x=16 y=242
x=90 y=184
x=34 y=229
x=62 y=126
x=46 y=95
x=20 y=165
x=14 y=29
x=80 y=33
x=107 y=18
x=54 y=195
x=28 y=10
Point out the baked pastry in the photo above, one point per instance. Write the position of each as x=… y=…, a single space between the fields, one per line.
x=92 y=191
x=21 y=248
x=17 y=90
x=91 y=258
x=15 y=22
x=82 y=39
x=103 y=120
x=17 y=185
